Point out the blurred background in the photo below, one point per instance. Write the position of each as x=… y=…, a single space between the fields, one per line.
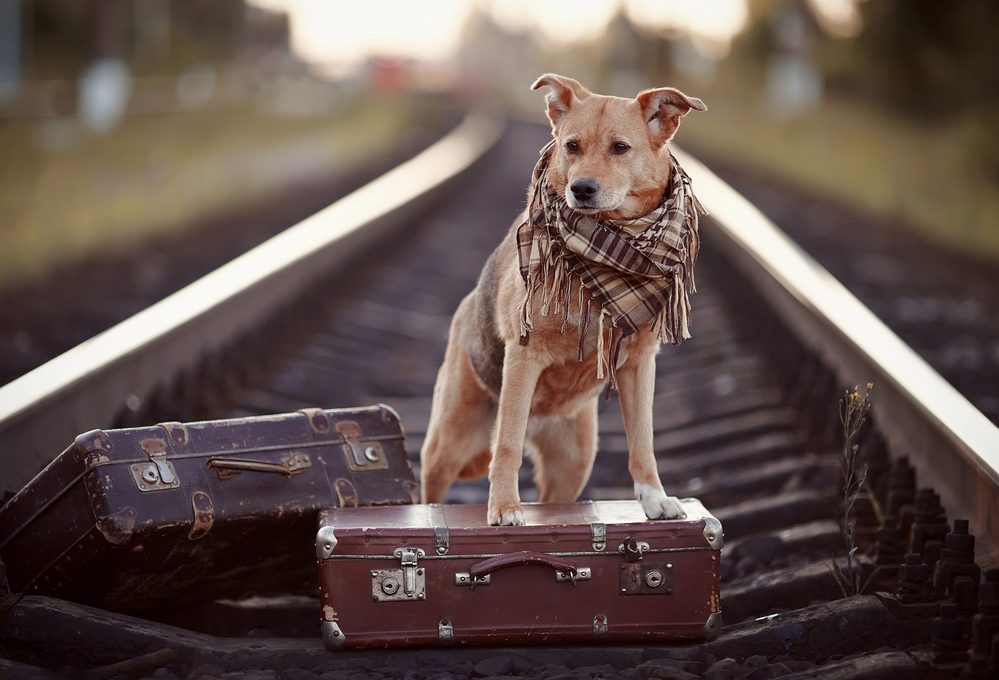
x=123 y=121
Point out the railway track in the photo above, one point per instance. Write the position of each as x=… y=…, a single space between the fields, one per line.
x=746 y=420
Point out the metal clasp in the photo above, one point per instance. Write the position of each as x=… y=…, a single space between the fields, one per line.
x=158 y=473
x=463 y=578
x=573 y=575
x=400 y=585
x=632 y=549
x=366 y=456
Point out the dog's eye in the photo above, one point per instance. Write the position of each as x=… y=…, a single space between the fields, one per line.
x=572 y=146
x=618 y=148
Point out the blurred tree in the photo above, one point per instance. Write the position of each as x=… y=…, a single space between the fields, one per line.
x=64 y=35
x=930 y=58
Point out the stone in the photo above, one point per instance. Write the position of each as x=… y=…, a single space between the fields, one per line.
x=297 y=674
x=165 y=674
x=724 y=669
x=664 y=669
x=779 y=670
x=494 y=665
x=600 y=671
x=206 y=671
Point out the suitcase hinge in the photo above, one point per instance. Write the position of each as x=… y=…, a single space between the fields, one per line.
x=598 y=533
x=442 y=540
x=158 y=473
x=445 y=632
x=400 y=585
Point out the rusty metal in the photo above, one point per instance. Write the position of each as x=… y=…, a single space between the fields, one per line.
x=956 y=575
x=204 y=515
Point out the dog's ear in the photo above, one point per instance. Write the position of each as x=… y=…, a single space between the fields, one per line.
x=564 y=92
x=662 y=109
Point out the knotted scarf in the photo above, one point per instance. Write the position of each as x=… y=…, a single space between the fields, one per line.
x=640 y=280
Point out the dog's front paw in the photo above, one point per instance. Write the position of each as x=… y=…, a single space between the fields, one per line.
x=656 y=504
x=506 y=514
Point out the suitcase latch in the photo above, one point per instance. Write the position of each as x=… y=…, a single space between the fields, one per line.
x=158 y=473
x=400 y=585
x=632 y=549
x=360 y=455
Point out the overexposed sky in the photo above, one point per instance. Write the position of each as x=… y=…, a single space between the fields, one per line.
x=337 y=34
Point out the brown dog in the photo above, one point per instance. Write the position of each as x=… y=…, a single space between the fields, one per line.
x=610 y=161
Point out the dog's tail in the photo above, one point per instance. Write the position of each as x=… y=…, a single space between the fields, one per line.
x=477 y=467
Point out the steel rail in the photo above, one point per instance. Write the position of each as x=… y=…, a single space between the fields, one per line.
x=85 y=387
x=952 y=445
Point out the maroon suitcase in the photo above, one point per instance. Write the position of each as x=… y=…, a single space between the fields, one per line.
x=595 y=571
x=130 y=518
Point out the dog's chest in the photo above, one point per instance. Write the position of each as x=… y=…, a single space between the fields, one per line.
x=566 y=382
x=562 y=389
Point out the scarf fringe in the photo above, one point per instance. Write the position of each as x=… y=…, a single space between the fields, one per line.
x=552 y=279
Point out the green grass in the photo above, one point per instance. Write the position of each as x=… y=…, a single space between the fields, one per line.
x=156 y=173
x=918 y=175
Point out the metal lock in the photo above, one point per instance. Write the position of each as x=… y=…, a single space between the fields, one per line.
x=409 y=583
x=158 y=474
x=641 y=578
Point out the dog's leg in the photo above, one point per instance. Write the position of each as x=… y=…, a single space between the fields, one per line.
x=636 y=385
x=461 y=417
x=520 y=376
x=566 y=450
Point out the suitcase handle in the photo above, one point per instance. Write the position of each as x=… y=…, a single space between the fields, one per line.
x=292 y=465
x=522 y=557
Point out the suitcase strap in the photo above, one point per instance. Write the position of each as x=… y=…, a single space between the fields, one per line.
x=519 y=558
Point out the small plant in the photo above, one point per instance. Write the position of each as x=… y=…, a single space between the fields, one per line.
x=854 y=408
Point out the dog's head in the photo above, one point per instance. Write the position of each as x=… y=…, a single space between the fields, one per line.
x=610 y=157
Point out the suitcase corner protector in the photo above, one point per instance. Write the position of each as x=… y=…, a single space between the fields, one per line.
x=333 y=637
x=91 y=442
x=325 y=542
x=389 y=414
x=713 y=533
x=712 y=627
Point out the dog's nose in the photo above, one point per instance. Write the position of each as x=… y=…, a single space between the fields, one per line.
x=584 y=189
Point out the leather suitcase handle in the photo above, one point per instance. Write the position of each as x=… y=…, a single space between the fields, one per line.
x=293 y=465
x=522 y=557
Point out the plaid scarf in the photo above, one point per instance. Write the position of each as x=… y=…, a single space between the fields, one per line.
x=640 y=280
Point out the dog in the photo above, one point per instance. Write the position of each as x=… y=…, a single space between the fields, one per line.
x=515 y=375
